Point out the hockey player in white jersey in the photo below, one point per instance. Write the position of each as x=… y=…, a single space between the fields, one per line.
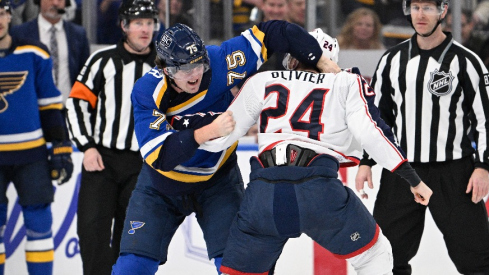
x=310 y=125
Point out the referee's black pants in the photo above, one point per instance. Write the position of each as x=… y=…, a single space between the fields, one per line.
x=102 y=204
x=464 y=225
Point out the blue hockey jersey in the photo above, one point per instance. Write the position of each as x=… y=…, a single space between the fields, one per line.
x=30 y=103
x=174 y=155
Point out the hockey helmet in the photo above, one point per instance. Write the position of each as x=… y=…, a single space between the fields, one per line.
x=440 y=4
x=180 y=48
x=5 y=4
x=328 y=44
x=132 y=9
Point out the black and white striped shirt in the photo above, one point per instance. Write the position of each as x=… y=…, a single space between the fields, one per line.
x=426 y=96
x=99 y=109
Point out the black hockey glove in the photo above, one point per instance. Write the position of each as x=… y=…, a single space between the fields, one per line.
x=60 y=163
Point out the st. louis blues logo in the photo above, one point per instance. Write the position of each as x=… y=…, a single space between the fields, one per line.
x=134 y=226
x=10 y=82
x=440 y=83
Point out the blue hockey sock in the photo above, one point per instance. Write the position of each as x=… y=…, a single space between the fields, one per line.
x=217 y=263
x=39 y=248
x=134 y=264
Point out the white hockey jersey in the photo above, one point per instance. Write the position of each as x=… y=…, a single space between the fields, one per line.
x=329 y=113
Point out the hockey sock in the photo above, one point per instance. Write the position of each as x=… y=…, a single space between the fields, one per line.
x=39 y=248
x=134 y=264
x=217 y=263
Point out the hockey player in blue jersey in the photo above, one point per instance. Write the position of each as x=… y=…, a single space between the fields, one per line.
x=177 y=179
x=30 y=115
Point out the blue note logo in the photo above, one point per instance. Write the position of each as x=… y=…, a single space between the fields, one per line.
x=134 y=226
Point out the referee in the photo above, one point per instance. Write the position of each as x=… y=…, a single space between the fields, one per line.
x=102 y=126
x=428 y=88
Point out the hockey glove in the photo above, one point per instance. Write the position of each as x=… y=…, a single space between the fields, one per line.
x=60 y=163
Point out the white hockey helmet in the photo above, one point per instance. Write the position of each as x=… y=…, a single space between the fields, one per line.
x=328 y=44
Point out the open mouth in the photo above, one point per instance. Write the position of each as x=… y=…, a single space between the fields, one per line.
x=193 y=82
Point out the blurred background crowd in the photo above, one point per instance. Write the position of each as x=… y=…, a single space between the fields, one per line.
x=358 y=24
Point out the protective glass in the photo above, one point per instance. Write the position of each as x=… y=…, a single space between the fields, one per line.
x=187 y=71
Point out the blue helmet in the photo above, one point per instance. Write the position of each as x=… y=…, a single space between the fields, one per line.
x=5 y=4
x=179 y=45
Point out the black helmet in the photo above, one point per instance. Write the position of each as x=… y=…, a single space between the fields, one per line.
x=178 y=46
x=131 y=9
x=5 y=4
x=406 y=4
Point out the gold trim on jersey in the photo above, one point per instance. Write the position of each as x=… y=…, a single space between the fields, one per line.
x=187 y=104
x=56 y=106
x=22 y=145
x=178 y=176
x=31 y=48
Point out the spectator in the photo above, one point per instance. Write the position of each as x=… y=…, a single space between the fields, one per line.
x=66 y=40
x=23 y=11
x=471 y=39
x=108 y=29
x=242 y=14
x=189 y=79
x=427 y=88
x=177 y=15
x=102 y=127
x=297 y=12
x=348 y=6
x=481 y=16
x=361 y=31
x=30 y=115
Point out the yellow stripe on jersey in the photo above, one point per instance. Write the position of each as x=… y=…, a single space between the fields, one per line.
x=39 y=256
x=22 y=145
x=187 y=104
x=31 y=48
x=2 y=258
x=161 y=92
x=57 y=106
x=260 y=36
x=178 y=176
x=151 y=158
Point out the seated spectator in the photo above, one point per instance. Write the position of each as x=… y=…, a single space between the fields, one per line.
x=471 y=39
x=297 y=12
x=361 y=31
x=177 y=15
x=242 y=14
x=348 y=6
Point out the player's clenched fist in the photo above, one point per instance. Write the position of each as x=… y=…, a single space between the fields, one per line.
x=224 y=124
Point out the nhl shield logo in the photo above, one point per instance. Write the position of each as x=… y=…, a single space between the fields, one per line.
x=440 y=83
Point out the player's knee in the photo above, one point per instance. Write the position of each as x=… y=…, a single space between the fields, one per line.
x=376 y=260
x=134 y=264
x=38 y=220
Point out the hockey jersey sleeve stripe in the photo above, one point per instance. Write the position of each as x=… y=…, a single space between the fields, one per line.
x=39 y=256
x=187 y=104
x=81 y=91
x=160 y=92
x=256 y=37
x=150 y=147
x=32 y=49
x=57 y=106
x=22 y=145
x=189 y=178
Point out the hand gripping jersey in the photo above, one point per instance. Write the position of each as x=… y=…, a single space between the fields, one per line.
x=30 y=103
x=155 y=102
x=329 y=113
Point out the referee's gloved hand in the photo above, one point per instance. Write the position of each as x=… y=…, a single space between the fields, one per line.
x=60 y=163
